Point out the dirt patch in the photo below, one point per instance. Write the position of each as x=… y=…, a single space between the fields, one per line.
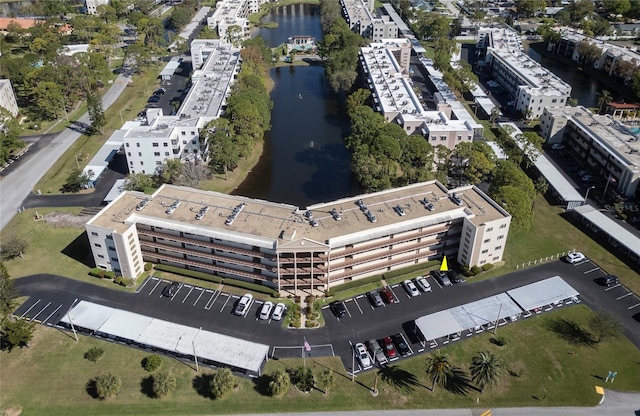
x=13 y=411
x=66 y=220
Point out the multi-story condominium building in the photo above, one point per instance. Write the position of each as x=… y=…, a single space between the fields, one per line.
x=361 y=18
x=604 y=145
x=609 y=57
x=281 y=246
x=91 y=6
x=233 y=13
x=532 y=86
x=149 y=143
x=8 y=98
x=386 y=67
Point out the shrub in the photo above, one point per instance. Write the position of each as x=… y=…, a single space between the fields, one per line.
x=118 y=280
x=329 y=293
x=93 y=354
x=97 y=272
x=222 y=382
x=280 y=383
x=487 y=266
x=108 y=385
x=152 y=363
x=499 y=341
x=475 y=270
x=311 y=323
x=303 y=379
x=127 y=281
x=148 y=266
x=110 y=274
x=163 y=383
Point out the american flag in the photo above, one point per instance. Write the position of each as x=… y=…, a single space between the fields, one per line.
x=307 y=347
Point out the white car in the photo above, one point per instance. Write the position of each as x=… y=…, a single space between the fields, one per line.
x=243 y=305
x=423 y=284
x=363 y=355
x=265 y=311
x=577 y=257
x=278 y=311
x=411 y=289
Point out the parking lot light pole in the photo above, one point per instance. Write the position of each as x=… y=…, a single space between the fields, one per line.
x=497 y=320
x=586 y=194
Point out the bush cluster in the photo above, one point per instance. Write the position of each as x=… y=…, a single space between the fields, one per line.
x=152 y=363
x=93 y=354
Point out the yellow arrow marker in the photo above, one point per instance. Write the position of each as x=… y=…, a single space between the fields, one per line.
x=443 y=265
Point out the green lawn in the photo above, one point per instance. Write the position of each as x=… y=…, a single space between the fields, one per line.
x=50 y=377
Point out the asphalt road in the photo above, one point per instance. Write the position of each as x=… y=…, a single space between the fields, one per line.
x=17 y=184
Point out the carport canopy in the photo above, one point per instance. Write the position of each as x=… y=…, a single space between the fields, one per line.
x=168 y=336
x=467 y=316
x=544 y=292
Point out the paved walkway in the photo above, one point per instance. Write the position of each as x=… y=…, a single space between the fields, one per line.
x=614 y=404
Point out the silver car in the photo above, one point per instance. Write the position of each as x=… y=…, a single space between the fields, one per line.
x=376 y=351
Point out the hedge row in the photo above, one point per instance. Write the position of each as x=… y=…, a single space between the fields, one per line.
x=189 y=273
x=410 y=269
x=102 y=274
x=252 y=286
x=356 y=283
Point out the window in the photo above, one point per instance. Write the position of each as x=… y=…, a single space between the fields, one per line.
x=131 y=163
x=459 y=137
x=184 y=142
x=498 y=248
x=193 y=133
x=100 y=256
x=97 y=245
x=137 y=144
x=165 y=144
x=166 y=153
x=433 y=137
x=114 y=259
x=503 y=226
x=483 y=262
x=487 y=240
x=495 y=258
x=184 y=133
x=500 y=237
x=554 y=100
x=129 y=154
x=158 y=163
x=485 y=251
x=141 y=163
x=93 y=233
x=154 y=144
x=156 y=153
x=193 y=142
x=489 y=229
x=443 y=138
x=127 y=144
x=111 y=248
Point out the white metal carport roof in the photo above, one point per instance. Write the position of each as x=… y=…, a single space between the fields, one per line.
x=544 y=292
x=467 y=316
x=168 y=336
x=614 y=230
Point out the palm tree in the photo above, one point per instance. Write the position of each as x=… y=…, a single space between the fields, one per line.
x=439 y=369
x=605 y=98
x=486 y=369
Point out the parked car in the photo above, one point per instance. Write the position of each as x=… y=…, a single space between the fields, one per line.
x=338 y=308
x=588 y=178
x=336 y=215
x=153 y=99
x=455 y=277
x=401 y=345
x=243 y=305
x=171 y=290
x=375 y=298
x=399 y=210
x=159 y=91
x=423 y=284
x=376 y=351
x=278 y=311
x=441 y=277
x=363 y=355
x=410 y=287
x=608 y=280
x=387 y=295
x=576 y=257
x=557 y=146
x=265 y=311
x=388 y=347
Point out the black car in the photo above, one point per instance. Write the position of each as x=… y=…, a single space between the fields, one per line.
x=455 y=277
x=171 y=290
x=441 y=277
x=159 y=91
x=153 y=99
x=338 y=308
x=401 y=345
x=609 y=280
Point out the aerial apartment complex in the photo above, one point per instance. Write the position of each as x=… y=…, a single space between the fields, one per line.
x=360 y=17
x=532 y=86
x=385 y=65
x=604 y=145
x=149 y=142
x=281 y=246
x=233 y=13
x=8 y=97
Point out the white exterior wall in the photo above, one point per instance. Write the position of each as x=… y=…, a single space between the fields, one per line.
x=8 y=98
x=92 y=5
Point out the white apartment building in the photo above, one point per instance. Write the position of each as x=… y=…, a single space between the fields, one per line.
x=609 y=149
x=91 y=6
x=532 y=86
x=147 y=144
x=360 y=16
x=233 y=13
x=280 y=246
x=8 y=98
x=386 y=67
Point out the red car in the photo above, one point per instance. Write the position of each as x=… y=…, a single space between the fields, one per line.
x=388 y=347
x=387 y=295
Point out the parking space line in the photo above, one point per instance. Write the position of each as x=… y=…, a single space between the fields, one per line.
x=225 y=303
x=41 y=310
x=201 y=293
x=612 y=287
x=52 y=313
x=144 y=283
x=633 y=306
x=32 y=306
x=406 y=343
x=175 y=294
x=624 y=296
x=592 y=270
x=358 y=305
x=185 y=298
x=154 y=288
x=210 y=302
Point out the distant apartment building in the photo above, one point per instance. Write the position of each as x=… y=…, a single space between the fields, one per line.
x=230 y=13
x=532 y=86
x=385 y=65
x=361 y=18
x=604 y=145
x=91 y=6
x=8 y=97
x=289 y=249
x=148 y=143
